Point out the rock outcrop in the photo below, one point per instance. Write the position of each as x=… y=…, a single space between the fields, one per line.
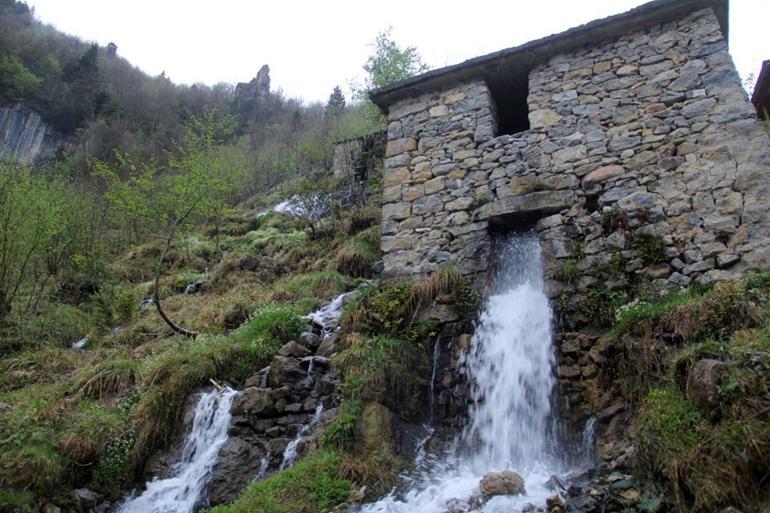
x=25 y=137
x=285 y=404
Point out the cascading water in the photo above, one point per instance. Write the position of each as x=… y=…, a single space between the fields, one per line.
x=510 y=367
x=292 y=450
x=180 y=492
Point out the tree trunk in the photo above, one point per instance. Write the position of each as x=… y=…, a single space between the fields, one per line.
x=156 y=291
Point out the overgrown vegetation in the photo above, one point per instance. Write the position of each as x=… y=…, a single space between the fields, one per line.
x=697 y=363
x=312 y=485
x=176 y=189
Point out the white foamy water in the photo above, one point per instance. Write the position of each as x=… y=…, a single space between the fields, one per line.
x=292 y=450
x=328 y=316
x=510 y=368
x=181 y=491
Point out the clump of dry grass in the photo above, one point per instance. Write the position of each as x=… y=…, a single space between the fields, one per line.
x=352 y=263
x=107 y=379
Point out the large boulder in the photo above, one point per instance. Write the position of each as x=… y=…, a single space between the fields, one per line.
x=703 y=382
x=238 y=462
x=502 y=483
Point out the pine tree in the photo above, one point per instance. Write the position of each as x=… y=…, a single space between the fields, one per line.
x=336 y=103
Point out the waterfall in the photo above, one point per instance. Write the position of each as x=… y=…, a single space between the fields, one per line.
x=292 y=450
x=180 y=492
x=510 y=368
x=510 y=364
x=328 y=316
x=436 y=354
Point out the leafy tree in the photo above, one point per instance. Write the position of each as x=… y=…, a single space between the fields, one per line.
x=169 y=200
x=391 y=63
x=30 y=211
x=17 y=82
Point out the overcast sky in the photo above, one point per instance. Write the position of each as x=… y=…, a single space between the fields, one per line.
x=311 y=46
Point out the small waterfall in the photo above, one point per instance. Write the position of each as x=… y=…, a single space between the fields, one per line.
x=436 y=354
x=328 y=316
x=292 y=450
x=180 y=492
x=586 y=455
x=510 y=368
x=264 y=463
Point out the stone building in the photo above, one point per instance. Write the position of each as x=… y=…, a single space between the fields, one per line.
x=761 y=96
x=628 y=144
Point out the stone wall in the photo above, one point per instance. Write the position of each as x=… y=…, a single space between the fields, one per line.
x=644 y=160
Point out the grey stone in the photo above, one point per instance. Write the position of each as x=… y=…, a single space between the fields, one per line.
x=542 y=203
x=502 y=483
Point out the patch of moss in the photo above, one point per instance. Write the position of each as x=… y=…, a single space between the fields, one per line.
x=599 y=305
x=312 y=288
x=692 y=317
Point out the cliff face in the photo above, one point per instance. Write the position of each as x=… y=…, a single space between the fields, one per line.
x=24 y=136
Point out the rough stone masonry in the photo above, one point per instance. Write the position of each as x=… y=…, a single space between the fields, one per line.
x=643 y=156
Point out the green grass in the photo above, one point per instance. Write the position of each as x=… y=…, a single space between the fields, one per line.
x=340 y=434
x=314 y=484
x=310 y=289
x=720 y=456
x=379 y=368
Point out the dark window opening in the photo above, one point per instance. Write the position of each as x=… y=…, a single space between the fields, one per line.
x=510 y=98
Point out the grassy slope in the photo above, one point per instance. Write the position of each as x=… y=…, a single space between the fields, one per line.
x=710 y=453
x=70 y=418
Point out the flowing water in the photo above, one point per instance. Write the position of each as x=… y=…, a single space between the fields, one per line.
x=328 y=316
x=510 y=368
x=180 y=492
x=292 y=450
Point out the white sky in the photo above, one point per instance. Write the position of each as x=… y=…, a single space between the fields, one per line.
x=311 y=46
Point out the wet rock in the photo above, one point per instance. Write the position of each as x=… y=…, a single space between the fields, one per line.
x=554 y=504
x=284 y=370
x=294 y=349
x=502 y=483
x=237 y=464
x=328 y=347
x=252 y=400
x=277 y=446
x=310 y=340
x=258 y=380
x=86 y=498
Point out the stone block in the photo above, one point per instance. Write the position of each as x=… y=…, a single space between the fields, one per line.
x=540 y=203
x=396 y=211
x=393 y=177
x=399 y=146
x=543 y=118
x=603 y=173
